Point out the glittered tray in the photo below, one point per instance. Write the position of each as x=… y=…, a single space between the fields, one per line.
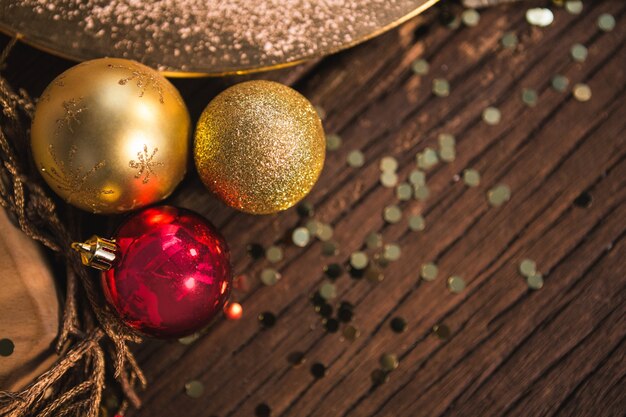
x=203 y=37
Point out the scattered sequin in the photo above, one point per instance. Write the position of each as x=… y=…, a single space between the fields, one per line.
x=527 y=267
x=442 y=331
x=305 y=210
x=404 y=191
x=392 y=214
x=582 y=92
x=6 y=347
x=429 y=271
x=379 y=377
x=388 y=179
x=391 y=252
x=296 y=358
x=492 y=116
x=356 y=159
x=606 y=22
x=574 y=6
x=471 y=177
x=324 y=232
x=255 y=250
x=422 y=192
x=333 y=271
x=470 y=17
x=359 y=260
x=398 y=324
x=331 y=325
x=560 y=83
x=374 y=240
x=539 y=16
x=374 y=274
x=417 y=177
x=262 y=410
x=267 y=319
x=269 y=276
x=329 y=248
x=324 y=309
x=301 y=237
x=345 y=313
x=446 y=140
x=535 y=281
x=579 y=52
x=333 y=142
x=328 y=291
x=441 y=87
x=194 y=389
x=456 y=284
x=417 y=223
x=274 y=254
x=318 y=370
x=447 y=154
x=509 y=40
x=427 y=159
x=312 y=226
x=583 y=200
x=499 y=195
x=389 y=362
x=351 y=333
x=388 y=163
x=529 y=97
x=420 y=66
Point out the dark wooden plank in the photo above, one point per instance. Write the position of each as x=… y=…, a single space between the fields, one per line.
x=557 y=351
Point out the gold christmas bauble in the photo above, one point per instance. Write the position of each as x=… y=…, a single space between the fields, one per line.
x=111 y=135
x=259 y=146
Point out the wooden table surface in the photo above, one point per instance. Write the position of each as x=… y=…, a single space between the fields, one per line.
x=511 y=351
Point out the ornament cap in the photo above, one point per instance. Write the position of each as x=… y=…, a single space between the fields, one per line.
x=97 y=252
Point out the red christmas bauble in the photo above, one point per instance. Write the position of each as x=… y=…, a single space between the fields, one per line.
x=171 y=274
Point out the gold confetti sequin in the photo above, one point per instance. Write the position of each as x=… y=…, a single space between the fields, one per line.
x=330 y=248
x=301 y=236
x=333 y=142
x=606 y=22
x=560 y=83
x=427 y=159
x=417 y=223
x=529 y=97
x=574 y=6
x=535 y=281
x=274 y=254
x=388 y=163
x=356 y=159
x=442 y=331
x=374 y=241
x=509 y=40
x=404 y=191
x=470 y=17
x=270 y=276
x=422 y=192
x=388 y=179
x=499 y=195
x=579 y=52
x=441 y=87
x=471 y=177
x=420 y=67
x=351 y=333
x=539 y=16
x=324 y=232
x=328 y=291
x=417 y=177
x=582 y=92
x=456 y=284
x=429 y=271
x=391 y=252
x=389 y=361
x=194 y=389
x=492 y=116
x=392 y=214
x=359 y=260
x=527 y=267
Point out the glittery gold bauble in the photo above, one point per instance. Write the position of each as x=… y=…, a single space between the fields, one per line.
x=259 y=146
x=111 y=135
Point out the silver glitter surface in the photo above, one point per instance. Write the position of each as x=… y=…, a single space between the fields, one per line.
x=203 y=36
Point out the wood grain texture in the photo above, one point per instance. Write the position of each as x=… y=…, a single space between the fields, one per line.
x=558 y=351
